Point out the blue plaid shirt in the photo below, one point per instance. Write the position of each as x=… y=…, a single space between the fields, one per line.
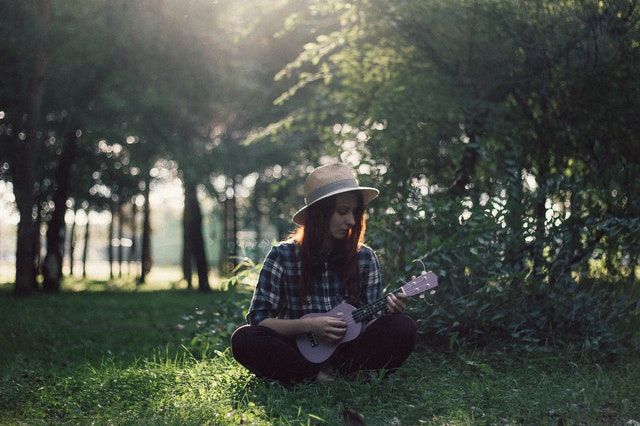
x=276 y=294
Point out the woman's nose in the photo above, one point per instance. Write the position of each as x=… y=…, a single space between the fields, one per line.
x=351 y=220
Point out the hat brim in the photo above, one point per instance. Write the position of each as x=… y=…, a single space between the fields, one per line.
x=368 y=194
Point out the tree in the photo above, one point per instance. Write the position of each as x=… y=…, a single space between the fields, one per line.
x=117 y=80
x=21 y=135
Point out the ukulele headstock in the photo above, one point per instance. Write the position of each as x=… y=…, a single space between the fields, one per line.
x=425 y=281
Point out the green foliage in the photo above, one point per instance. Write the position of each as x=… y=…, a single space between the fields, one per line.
x=489 y=295
x=243 y=275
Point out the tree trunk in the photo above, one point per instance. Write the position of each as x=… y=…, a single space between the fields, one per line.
x=466 y=171
x=110 y=245
x=258 y=228
x=52 y=271
x=187 y=244
x=233 y=252
x=72 y=242
x=224 y=252
x=132 y=259
x=193 y=226
x=85 y=248
x=199 y=251
x=230 y=230
x=25 y=253
x=37 y=240
x=120 y=238
x=146 y=237
x=25 y=175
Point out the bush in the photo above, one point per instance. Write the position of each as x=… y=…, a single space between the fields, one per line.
x=502 y=288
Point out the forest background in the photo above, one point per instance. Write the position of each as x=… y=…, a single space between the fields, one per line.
x=504 y=136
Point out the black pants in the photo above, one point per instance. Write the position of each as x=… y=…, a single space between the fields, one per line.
x=385 y=344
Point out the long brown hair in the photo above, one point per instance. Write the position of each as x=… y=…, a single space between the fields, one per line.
x=345 y=252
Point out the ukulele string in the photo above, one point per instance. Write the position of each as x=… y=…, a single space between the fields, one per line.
x=367 y=311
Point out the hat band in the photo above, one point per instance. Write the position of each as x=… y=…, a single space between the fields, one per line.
x=329 y=188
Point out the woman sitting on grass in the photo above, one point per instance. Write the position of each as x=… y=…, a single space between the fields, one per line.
x=323 y=264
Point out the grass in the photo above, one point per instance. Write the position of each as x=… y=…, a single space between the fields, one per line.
x=111 y=353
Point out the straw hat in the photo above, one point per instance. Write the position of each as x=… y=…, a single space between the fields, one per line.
x=329 y=180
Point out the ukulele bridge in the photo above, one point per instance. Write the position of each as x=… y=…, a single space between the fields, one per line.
x=312 y=340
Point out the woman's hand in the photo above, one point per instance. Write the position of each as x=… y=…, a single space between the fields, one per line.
x=396 y=302
x=331 y=329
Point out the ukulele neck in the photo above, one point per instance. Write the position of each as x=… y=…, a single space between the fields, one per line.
x=366 y=312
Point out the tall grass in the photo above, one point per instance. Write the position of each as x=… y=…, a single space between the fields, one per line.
x=141 y=356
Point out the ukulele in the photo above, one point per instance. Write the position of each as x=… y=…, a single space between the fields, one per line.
x=318 y=350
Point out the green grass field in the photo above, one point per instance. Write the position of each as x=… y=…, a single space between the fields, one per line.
x=114 y=354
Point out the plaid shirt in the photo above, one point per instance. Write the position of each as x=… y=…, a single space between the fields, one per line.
x=276 y=293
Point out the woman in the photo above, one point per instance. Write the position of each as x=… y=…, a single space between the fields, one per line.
x=323 y=264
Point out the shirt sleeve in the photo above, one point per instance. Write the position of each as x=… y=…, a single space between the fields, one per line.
x=266 y=296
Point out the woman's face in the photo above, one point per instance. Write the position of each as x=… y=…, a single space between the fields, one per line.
x=343 y=217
